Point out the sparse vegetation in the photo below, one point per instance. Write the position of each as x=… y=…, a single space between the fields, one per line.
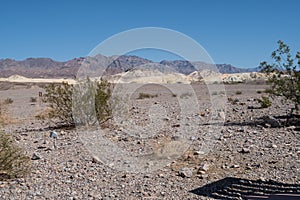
x=284 y=74
x=268 y=91
x=91 y=99
x=259 y=91
x=102 y=100
x=33 y=99
x=8 y=101
x=146 y=95
x=214 y=93
x=238 y=92
x=13 y=163
x=233 y=101
x=264 y=102
x=59 y=97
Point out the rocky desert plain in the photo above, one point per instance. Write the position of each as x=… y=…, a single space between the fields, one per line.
x=252 y=155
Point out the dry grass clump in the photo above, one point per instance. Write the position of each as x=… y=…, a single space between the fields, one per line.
x=13 y=163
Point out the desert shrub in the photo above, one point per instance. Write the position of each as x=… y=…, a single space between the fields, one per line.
x=88 y=100
x=84 y=102
x=102 y=100
x=13 y=163
x=59 y=97
x=174 y=95
x=233 y=101
x=143 y=95
x=8 y=101
x=238 y=92
x=33 y=99
x=264 y=102
x=214 y=93
x=268 y=91
x=284 y=74
x=258 y=91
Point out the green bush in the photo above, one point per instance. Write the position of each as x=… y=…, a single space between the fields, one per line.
x=284 y=74
x=264 y=102
x=59 y=97
x=102 y=100
x=13 y=163
x=87 y=100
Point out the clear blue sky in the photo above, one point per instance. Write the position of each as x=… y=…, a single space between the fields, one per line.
x=241 y=33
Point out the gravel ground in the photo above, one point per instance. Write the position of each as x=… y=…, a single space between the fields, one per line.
x=249 y=149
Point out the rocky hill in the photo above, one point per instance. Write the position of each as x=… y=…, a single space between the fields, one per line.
x=48 y=68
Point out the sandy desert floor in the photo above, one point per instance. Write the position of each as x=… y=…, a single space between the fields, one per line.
x=250 y=156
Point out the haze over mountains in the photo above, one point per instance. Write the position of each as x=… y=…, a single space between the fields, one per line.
x=48 y=68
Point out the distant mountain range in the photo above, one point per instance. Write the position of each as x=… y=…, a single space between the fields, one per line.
x=48 y=68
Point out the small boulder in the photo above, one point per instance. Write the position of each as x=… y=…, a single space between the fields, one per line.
x=204 y=167
x=185 y=172
x=95 y=159
x=35 y=157
x=245 y=150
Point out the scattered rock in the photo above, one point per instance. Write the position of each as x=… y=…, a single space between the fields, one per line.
x=221 y=115
x=175 y=125
x=225 y=166
x=95 y=159
x=193 y=138
x=245 y=150
x=35 y=157
x=271 y=121
x=250 y=107
x=235 y=166
x=204 y=167
x=199 y=153
x=185 y=172
x=271 y=146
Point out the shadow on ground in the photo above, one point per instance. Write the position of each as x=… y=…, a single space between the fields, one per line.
x=275 y=122
x=236 y=188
